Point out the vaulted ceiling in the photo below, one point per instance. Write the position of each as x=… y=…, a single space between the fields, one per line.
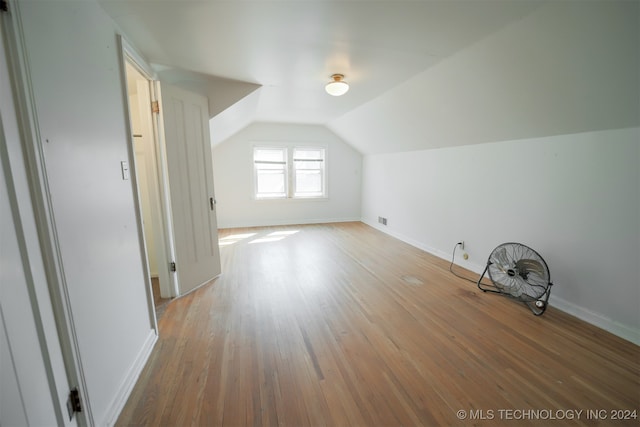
x=268 y=61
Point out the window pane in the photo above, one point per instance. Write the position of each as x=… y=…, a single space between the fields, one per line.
x=270 y=183
x=273 y=166
x=308 y=183
x=269 y=155
x=308 y=158
x=270 y=166
x=308 y=153
x=308 y=164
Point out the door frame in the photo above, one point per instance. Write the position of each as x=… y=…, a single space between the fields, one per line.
x=168 y=280
x=161 y=223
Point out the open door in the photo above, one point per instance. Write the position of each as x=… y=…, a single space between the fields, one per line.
x=190 y=171
x=36 y=377
x=148 y=170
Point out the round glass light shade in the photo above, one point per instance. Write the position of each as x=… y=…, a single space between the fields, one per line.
x=337 y=87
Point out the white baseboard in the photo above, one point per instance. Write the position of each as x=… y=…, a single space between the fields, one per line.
x=271 y=223
x=623 y=331
x=122 y=395
x=433 y=251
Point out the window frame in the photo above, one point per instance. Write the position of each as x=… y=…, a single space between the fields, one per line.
x=290 y=170
x=294 y=172
x=286 y=172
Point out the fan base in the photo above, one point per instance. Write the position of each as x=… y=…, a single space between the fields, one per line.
x=537 y=306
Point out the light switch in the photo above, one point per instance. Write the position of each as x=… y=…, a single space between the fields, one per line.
x=125 y=170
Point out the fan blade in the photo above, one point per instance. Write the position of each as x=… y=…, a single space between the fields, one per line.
x=530 y=265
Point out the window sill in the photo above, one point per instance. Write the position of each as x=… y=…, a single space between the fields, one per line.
x=292 y=199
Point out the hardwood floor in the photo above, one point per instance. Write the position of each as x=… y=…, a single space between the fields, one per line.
x=159 y=303
x=335 y=325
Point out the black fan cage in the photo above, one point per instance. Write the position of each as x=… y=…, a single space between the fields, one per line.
x=519 y=272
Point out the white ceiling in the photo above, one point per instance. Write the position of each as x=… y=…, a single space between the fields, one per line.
x=289 y=49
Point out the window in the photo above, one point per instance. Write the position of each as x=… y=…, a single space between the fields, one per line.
x=270 y=165
x=296 y=172
x=308 y=172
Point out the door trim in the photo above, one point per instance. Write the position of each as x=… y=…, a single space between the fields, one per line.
x=135 y=185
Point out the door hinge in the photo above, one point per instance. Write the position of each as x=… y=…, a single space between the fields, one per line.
x=4 y=5
x=155 y=107
x=172 y=267
x=73 y=403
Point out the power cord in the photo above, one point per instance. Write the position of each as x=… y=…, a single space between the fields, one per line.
x=451 y=265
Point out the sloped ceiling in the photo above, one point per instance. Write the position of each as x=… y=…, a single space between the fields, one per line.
x=291 y=48
x=423 y=74
x=569 y=67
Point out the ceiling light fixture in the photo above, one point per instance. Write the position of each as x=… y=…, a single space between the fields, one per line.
x=337 y=86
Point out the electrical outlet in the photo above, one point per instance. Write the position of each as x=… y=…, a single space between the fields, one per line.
x=461 y=243
x=382 y=220
x=465 y=255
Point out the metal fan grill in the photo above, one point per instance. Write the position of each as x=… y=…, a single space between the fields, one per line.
x=518 y=272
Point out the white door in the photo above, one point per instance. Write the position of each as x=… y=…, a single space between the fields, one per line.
x=188 y=148
x=33 y=380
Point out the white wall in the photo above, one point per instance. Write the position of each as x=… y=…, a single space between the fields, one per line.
x=573 y=198
x=569 y=67
x=79 y=96
x=233 y=176
x=561 y=89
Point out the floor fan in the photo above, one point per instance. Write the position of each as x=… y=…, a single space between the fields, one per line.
x=519 y=272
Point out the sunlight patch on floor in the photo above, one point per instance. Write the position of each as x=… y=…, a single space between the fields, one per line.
x=275 y=236
x=284 y=233
x=234 y=238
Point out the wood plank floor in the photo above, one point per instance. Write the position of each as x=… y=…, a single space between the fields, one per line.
x=336 y=325
x=159 y=303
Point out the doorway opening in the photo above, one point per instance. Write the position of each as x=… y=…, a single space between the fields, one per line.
x=148 y=171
